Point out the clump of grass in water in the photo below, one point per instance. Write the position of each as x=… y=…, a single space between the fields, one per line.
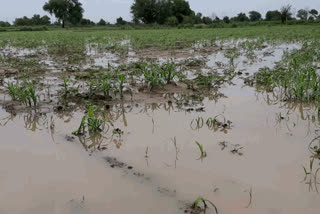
x=199 y=200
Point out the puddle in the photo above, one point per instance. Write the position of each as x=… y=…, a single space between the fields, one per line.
x=254 y=147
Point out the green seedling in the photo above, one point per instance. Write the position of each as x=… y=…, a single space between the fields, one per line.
x=105 y=87
x=25 y=93
x=82 y=128
x=13 y=91
x=94 y=124
x=152 y=77
x=90 y=122
x=196 y=205
x=203 y=153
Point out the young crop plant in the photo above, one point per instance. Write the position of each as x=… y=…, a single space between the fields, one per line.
x=167 y=72
x=14 y=91
x=152 y=77
x=203 y=153
x=91 y=123
x=295 y=77
x=24 y=93
x=121 y=79
x=196 y=205
x=105 y=86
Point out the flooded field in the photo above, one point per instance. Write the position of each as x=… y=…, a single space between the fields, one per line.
x=151 y=130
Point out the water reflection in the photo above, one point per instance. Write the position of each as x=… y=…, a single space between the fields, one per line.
x=307 y=112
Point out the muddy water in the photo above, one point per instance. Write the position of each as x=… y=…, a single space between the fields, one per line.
x=255 y=166
x=39 y=175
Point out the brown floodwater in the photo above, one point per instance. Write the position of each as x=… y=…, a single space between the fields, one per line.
x=253 y=166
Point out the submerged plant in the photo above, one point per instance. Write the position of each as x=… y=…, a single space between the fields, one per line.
x=203 y=153
x=196 y=205
x=198 y=121
x=311 y=174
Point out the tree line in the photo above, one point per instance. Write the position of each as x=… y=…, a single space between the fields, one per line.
x=168 y=12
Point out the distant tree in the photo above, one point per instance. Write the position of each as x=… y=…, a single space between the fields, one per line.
x=57 y=23
x=313 y=13
x=87 y=22
x=198 y=18
x=102 y=22
x=188 y=19
x=158 y=11
x=65 y=10
x=24 y=21
x=179 y=8
x=4 y=24
x=303 y=14
x=36 y=20
x=226 y=19
x=242 y=17
x=120 y=21
x=254 y=16
x=286 y=13
x=207 y=20
x=45 y=20
x=273 y=15
x=172 y=21
x=145 y=10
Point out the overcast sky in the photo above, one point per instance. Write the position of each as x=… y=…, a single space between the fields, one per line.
x=112 y=9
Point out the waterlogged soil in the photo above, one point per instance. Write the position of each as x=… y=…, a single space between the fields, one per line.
x=253 y=160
